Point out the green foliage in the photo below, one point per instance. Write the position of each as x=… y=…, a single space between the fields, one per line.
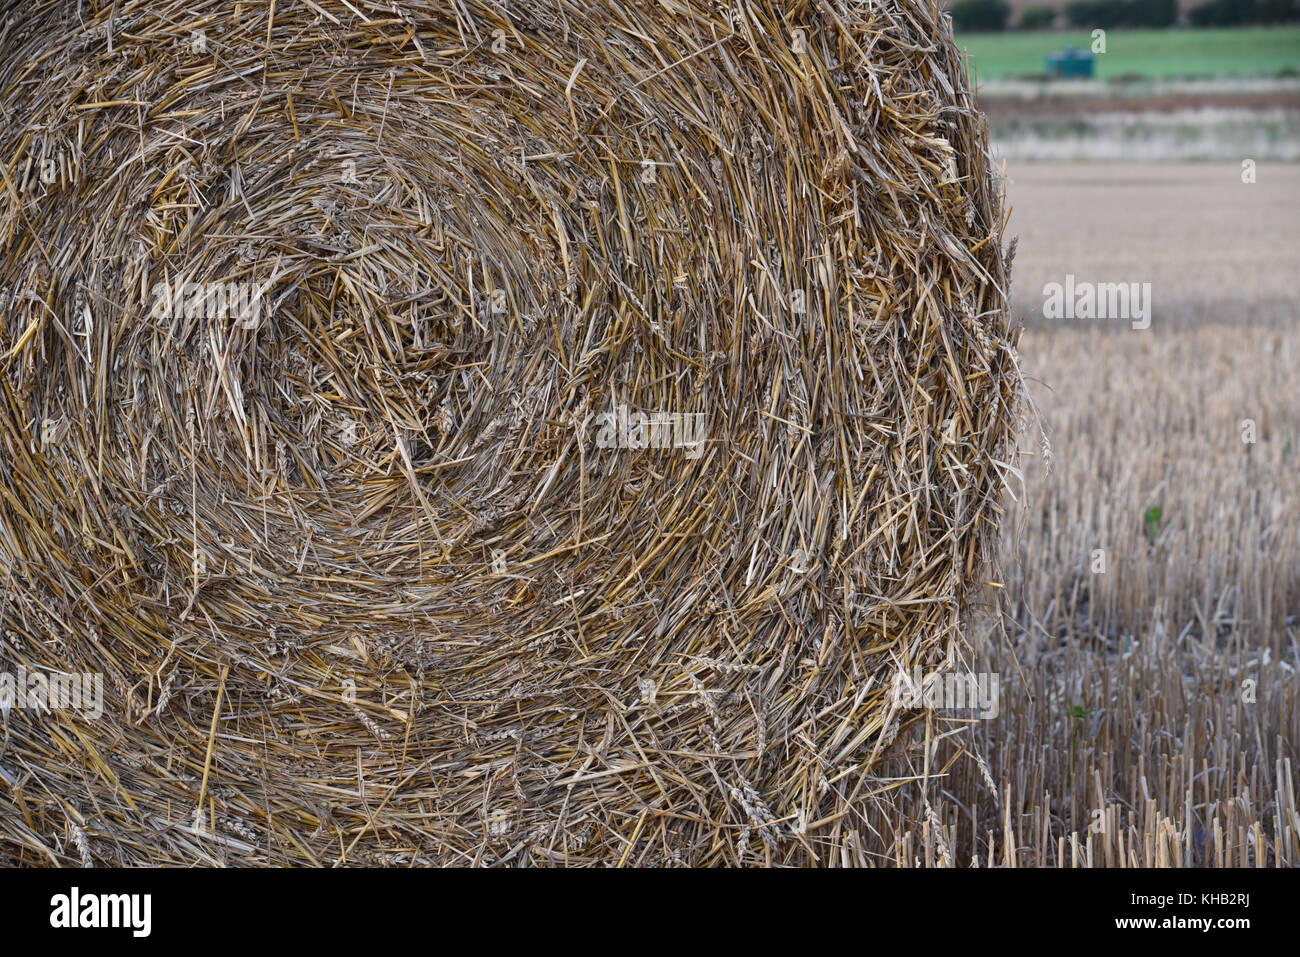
x=1036 y=18
x=1152 y=13
x=1279 y=11
x=1224 y=13
x=1151 y=521
x=980 y=15
x=1232 y=13
x=1122 y=13
x=1095 y=13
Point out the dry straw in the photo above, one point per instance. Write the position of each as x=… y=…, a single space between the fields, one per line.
x=369 y=558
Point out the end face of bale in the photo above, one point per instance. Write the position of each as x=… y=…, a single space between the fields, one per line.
x=508 y=433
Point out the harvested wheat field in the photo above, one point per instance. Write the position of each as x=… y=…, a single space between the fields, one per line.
x=1147 y=638
x=330 y=338
x=1148 y=702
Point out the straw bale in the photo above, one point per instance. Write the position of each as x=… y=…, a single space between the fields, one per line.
x=488 y=432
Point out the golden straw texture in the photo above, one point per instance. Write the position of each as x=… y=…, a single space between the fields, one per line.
x=381 y=562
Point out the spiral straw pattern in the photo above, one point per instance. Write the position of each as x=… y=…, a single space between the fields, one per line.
x=487 y=432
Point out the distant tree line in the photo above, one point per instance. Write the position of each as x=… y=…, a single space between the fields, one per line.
x=1122 y=13
x=1231 y=13
x=980 y=14
x=992 y=15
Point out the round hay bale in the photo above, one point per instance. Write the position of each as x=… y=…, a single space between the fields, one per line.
x=490 y=432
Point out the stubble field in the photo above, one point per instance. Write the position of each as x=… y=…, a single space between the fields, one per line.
x=1146 y=634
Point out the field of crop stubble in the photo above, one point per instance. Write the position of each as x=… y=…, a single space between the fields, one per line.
x=1148 y=711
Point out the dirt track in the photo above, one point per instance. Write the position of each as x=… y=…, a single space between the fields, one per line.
x=1055 y=106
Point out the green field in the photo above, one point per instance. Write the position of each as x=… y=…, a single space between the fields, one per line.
x=1240 y=51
